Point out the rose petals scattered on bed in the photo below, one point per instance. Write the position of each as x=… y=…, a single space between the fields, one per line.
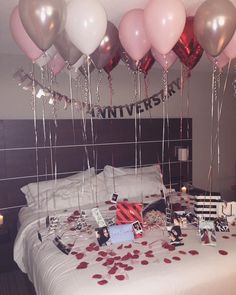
x=120 y=277
x=136 y=251
x=102 y=282
x=79 y=256
x=102 y=253
x=82 y=265
x=97 y=276
x=144 y=243
x=98 y=259
x=225 y=237
x=144 y=262
x=233 y=235
x=166 y=260
x=128 y=246
x=129 y=268
x=223 y=252
x=176 y=258
x=193 y=252
x=120 y=247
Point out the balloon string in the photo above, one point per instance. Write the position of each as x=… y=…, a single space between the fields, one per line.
x=135 y=123
x=146 y=88
x=36 y=138
x=100 y=76
x=72 y=106
x=92 y=128
x=111 y=90
x=140 y=130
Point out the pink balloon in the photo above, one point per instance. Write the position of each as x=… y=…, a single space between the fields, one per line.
x=230 y=49
x=164 y=22
x=132 y=34
x=165 y=60
x=22 y=38
x=221 y=60
x=56 y=64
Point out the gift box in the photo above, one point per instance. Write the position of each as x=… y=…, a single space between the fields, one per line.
x=127 y=212
x=121 y=233
x=207 y=207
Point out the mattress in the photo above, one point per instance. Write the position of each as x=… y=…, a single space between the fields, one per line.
x=147 y=265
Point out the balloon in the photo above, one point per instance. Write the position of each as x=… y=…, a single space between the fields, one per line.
x=144 y=65
x=230 y=49
x=56 y=64
x=107 y=48
x=66 y=48
x=21 y=37
x=214 y=25
x=46 y=57
x=42 y=20
x=112 y=63
x=165 y=60
x=86 y=24
x=164 y=23
x=132 y=34
x=187 y=48
x=221 y=60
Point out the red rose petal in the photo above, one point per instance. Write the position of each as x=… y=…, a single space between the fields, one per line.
x=109 y=261
x=76 y=213
x=79 y=255
x=223 y=252
x=166 y=260
x=117 y=258
x=99 y=259
x=136 y=251
x=225 y=237
x=125 y=200
x=165 y=245
x=144 y=262
x=171 y=247
x=92 y=244
x=102 y=282
x=144 y=243
x=73 y=253
x=108 y=202
x=70 y=245
x=120 y=247
x=128 y=246
x=193 y=252
x=122 y=265
x=233 y=235
x=112 y=208
x=89 y=249
x=149 y=255
x=82 y=265
x=135 y=256
x=182 y=252
x=129 y=268
x=97 y=276
x=113 y=270
x=120 y=277
x=184 y=235
x=125 y=257
x=176 y=258
x=112 y=253
x=102 y=253
x=96 y=248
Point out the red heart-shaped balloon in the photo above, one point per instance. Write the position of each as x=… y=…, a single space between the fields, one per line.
x=187 y=48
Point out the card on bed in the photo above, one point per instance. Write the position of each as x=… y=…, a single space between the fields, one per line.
x=121 y=233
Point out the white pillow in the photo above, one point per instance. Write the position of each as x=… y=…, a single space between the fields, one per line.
x=110 y=171
x=134 y=186
x=31 y=190
x=89 y=191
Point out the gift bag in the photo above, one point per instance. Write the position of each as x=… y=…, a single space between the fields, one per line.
x=207 y=233
x=121 y=233
x=128 y=212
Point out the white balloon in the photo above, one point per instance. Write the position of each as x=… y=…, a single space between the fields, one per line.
x=47 y=56
x=86 y=24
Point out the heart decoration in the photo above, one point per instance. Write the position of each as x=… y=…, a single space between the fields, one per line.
x=187 y=48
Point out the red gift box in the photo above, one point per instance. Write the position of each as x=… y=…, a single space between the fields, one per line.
x=128 y=212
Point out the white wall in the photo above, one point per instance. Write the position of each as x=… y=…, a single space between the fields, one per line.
x=16 y=104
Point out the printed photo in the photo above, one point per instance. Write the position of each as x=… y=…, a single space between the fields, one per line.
x=103 y=236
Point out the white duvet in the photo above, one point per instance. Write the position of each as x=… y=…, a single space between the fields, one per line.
x=140 y=267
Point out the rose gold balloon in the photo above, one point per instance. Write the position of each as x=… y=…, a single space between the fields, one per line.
x=214 y=25
x=42 y=20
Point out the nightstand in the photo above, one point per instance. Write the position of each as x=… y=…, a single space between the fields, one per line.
x=7 y=236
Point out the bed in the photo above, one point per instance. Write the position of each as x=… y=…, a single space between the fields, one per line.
x=146 y=264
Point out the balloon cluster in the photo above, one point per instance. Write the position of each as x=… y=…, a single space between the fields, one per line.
x=57 y=33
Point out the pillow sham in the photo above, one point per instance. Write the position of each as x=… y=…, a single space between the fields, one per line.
x=31 y=190
x=110 y=171
x=134 y=186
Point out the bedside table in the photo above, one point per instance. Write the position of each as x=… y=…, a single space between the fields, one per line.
x=7 y=236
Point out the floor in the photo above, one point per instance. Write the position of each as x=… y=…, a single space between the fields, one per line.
x=14 y=282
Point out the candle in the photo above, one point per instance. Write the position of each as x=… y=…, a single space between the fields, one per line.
x=1 y=219
x=183 y=189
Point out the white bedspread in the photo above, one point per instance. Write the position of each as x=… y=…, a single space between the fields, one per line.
x=141 y=267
